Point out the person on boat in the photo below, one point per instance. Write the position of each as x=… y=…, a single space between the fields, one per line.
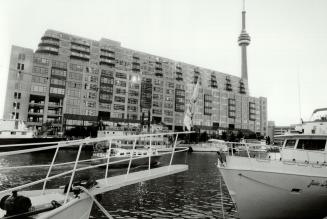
x=221 y=156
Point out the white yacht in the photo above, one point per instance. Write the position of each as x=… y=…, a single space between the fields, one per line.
x=213 y=145
x=293 y=186
x=120 y=157
x=14 y=132
x=14 y=129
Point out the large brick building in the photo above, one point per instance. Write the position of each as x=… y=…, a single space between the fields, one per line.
x=71 y=81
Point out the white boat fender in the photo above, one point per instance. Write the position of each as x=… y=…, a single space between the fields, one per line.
x=15 y=204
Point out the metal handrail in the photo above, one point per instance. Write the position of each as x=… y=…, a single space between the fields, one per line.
x=77 y=161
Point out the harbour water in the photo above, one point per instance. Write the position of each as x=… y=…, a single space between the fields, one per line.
x=196 y=193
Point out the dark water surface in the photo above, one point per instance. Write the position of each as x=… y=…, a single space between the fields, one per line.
x=192 y=194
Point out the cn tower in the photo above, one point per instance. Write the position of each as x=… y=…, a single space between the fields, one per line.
x=243 y=41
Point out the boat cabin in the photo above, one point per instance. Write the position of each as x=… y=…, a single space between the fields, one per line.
x=14 y=129
x=305 y=148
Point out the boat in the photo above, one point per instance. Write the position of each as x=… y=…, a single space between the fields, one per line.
x=160 y=143
x=14 y=132
x=75 y=199
x=142 y=155
x=292 y=186
x=213 y=145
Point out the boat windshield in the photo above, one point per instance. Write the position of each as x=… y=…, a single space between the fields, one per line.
x=290 y=143
x=312 y=144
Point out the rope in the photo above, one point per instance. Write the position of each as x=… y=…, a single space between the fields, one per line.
x=221 y=198
x=105 y=212
x=257 y=181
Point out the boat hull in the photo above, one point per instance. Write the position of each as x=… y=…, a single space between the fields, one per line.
x=135 y=162
x=261 y=194
x=30 y=141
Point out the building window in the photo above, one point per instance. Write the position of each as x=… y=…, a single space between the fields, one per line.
x=157 y=104
x=21 y=56
x=38 y=79
x=16 y=105
x=119 y=107
x=20 y=66
x=91 y=95
x=106 y=80
x=207 y=104
x=242 y=88
x=75 y=76
x=73 y=84
x=57 y=82
x=168 y=113
x=119 y=99
x=120 y=91
x=42 y=61
x=132 y=108
x=15 y=115
x=58 y=64
x=90 y=104
x=157 y=89
x=133 y=101
x=105 y=97
x=76 y=67
x=91 y=78
x=89 y=112
x=56 y=90
x=252 y=111
x=228 y=84
x=120 y=83
x=40 y=70
x=231 y=108
x=73 y=93
x=38 y=88
x=121 y=75
x=17 y=95
x=58 y=72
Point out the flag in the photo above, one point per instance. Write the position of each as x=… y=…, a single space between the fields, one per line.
x=188 y=123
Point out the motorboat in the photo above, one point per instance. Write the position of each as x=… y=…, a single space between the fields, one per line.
x=212 y=145
x=75 y=199
x=142 y=156
x=14 y=132
x=292 y=186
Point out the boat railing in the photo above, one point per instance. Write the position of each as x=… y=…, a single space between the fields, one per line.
x=80 y=144
x=267 y=153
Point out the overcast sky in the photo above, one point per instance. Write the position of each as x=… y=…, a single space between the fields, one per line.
x=288 y=47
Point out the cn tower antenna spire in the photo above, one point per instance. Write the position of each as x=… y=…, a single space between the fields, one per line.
x=243 y=41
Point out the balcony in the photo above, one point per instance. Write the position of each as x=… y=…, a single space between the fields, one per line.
x=79 y=55
x=54 y=105
x=33 y=103
x=242 y=90
x=49 y=43
x=48 y=36
x=35 y=113
x=48 y=49
x=108 y=62
x=158 y=74
x=34 y=123
x=108 y=56
x=80 y=48
x=52 y=113
x=228 y=87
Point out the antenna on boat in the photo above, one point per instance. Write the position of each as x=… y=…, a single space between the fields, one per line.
x=299 y=94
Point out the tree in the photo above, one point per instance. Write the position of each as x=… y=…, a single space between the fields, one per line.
x=203 y=137
x=224 y=136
